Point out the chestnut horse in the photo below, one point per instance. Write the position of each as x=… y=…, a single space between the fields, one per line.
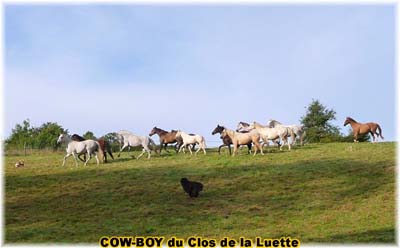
x=104 y=145
x=226 y=140
x=166 y=138
x=363 y=128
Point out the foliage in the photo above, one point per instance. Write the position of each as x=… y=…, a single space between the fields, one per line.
x=112 y=140
x=89 y=135
x=317 y=123
x=42 y=137
x=21 y=135
x=47 y=135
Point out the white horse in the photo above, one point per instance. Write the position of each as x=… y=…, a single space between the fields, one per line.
x=298 y=130
x=128 y=139
x=189 y=139
x=243 y=127
x=268 y=133
x=76 y=148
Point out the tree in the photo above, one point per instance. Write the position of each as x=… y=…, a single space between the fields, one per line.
x=21 y=135
x=48 y=134
x=316 y=122
x=43 y=137
x=89 y=135
x=112 y=139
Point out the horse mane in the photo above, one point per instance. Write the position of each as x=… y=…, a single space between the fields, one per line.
x=351 y=119
x=77 y=137
x=274 y=121
x=159 y=129
x=244 y=123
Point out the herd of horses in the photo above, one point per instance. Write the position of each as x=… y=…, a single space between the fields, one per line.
x=251 y=135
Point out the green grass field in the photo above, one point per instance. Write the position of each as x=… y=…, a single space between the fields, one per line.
x=319 y=193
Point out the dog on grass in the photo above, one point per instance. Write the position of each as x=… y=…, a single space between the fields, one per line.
x=192 y=188
x=19 y=164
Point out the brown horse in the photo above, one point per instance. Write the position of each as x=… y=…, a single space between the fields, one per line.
x=363 y=128
x=104 y=145
x=166 y=138
x=226 y=140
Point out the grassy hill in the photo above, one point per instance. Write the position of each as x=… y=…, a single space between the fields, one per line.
x=319 y=193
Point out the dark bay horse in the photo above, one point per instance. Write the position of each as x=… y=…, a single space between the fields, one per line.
x=363 y=128
x=104 y=145
x=226 y=140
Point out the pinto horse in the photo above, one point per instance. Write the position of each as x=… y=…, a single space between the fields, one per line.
x=104 y=145
x=363 y=128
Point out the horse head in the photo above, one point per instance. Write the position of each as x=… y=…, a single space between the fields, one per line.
x=62 y=138
x=348 y=121
x=218 y=129
x=153 y=131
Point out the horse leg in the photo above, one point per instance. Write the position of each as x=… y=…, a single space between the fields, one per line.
x=75 y=158
x=198 y=149
x=109 y=152
x=97 y=159
x=288 y=143
x=190 y=149
x=219 y=148
x=89 y=157
x=122 y=148
x=235 y=147
x=181 y=147
x=373 y=136
x=84 y=158
x=294 y=139
x=355 y=137
x=258 y=147
x=65 y=158
x=249 y=148
x=105 y=156
x=141 y=154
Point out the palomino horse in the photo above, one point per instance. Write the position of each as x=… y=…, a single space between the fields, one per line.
x=268 y=133
x=79 y=147
x=243 y=139
x=298 y=130
x=226 y=140
x=166 y=138
x=189 y=139
x=363 y=128
x=104 y=145
x=128 y=139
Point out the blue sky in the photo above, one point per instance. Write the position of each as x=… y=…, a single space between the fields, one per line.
x=109 y=67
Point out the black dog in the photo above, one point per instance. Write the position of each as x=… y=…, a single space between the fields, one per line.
x=192 y=188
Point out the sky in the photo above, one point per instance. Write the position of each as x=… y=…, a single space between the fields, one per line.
x=108 y=67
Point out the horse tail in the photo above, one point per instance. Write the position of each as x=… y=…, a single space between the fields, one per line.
x=100 y=152
x=380 y=131
x=303 y=134
x=203 y=141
